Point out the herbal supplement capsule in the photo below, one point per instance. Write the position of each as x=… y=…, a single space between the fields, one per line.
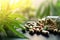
x=24 y=30
x=31 y=31
x=45 y=32
x=37 y=31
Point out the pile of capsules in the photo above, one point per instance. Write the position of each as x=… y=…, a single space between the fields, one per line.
x=39 y=28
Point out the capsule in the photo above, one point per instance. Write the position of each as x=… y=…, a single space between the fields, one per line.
x=58 y=32
x=34 y=30
x=31 y=27
x=27 y=27
x=50 y=30
x=55 y=31
x=45 y=32
x=37 y=31
x=31 y=31
x=24 y=30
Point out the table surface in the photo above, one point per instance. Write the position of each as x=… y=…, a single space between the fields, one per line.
x=37 y=37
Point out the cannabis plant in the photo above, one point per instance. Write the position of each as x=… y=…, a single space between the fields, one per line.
x=9 y=21
x=43 y=10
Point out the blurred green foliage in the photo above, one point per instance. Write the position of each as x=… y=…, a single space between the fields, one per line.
x=8 y=20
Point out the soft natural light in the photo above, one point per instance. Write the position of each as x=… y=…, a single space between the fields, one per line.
x=13 y=4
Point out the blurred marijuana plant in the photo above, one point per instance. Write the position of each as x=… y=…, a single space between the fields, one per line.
x=9 y=19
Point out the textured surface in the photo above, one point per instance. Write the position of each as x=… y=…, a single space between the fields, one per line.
x=37 y=37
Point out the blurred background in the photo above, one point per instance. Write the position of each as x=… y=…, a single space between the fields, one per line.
x=31 y=7
x=13 y=13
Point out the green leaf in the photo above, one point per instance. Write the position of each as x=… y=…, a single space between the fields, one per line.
x=46 y=11
x=15 y=23
x=2 y=30
x=15 y=32
x=17 y=15
x=38 y=13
